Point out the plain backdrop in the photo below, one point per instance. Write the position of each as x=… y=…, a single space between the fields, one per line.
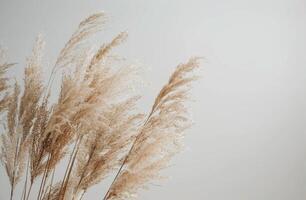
x=249 y=109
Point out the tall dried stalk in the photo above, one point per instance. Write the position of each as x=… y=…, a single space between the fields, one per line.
x=94 y=124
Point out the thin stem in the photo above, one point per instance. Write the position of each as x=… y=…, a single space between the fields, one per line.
x=26 y=181
x=50 y=186
x=41 y=184
x=70 y=168
x=85 y=168
x=82 y=195
x=44 y=184
x=119 y=171
x=43 y=178
x=127 y=155
x=12 y=193
x=23 y=194
x=30 y=188
x=46 y=177
x=14 y=170
x=50 y=82
x=68 y=165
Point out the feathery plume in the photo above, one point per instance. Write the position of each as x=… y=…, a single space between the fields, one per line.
x=102 y=150
x=4 y=66
x=11 y=141
x=159 y=138
x=33 y=88
x=75 y=46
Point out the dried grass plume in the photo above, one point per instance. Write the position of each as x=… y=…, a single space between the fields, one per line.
x=94 y=128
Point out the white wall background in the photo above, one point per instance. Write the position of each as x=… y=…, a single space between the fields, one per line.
x=249 y=138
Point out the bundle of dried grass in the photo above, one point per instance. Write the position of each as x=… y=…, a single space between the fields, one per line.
x=94 y=125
